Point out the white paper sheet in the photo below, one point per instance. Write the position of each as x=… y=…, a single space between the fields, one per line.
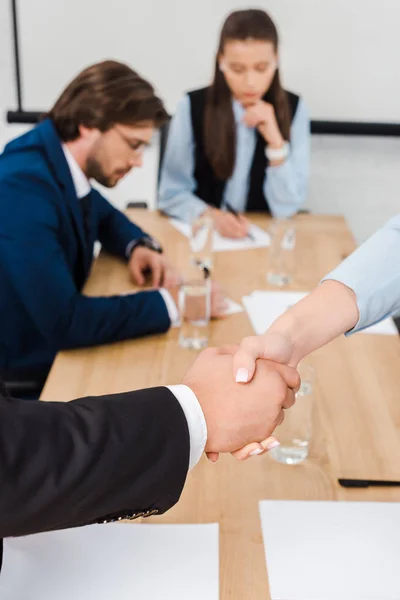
x=332 y=550
x=113 y=562
x=263 y=307
x=232 y=307
x=222 y=244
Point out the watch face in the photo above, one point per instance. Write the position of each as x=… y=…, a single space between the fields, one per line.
x=151 y=244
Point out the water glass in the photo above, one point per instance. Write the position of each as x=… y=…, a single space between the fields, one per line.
x=201 y=240
x=195 y=310
x=295 y=432
x=281 y=252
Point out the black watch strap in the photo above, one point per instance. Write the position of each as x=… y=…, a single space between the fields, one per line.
x=146 y=242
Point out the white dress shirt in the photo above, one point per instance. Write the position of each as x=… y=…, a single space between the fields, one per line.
x=185 y=396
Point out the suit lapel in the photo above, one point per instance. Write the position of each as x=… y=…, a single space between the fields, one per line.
x=61 y=172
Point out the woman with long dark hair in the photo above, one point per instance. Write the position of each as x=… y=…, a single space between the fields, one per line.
x=242 y=142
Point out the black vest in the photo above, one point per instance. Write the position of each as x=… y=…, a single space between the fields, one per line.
x=209 y=187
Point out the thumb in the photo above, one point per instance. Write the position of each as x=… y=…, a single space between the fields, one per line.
x=244 y=361
x=272 y=346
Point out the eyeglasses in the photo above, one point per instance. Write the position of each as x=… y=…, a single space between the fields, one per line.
x=137 y=147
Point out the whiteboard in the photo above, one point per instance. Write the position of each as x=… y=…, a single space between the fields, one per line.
x=341 y=55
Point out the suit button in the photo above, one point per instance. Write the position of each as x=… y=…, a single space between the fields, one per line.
x=137 y=515
x=150 y=513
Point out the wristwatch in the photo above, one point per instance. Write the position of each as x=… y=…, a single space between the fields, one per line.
x=277 y=153
x=146 y=242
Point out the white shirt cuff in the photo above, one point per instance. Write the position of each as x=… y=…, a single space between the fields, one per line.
x=129 y=248
x=171 y=307
x=195 y=420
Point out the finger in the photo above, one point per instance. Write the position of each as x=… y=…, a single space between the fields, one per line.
x=171 y=278
x=256 y=448
x=281 y=418
x=227 y=349
x=244 y=229
x=271 y=346
x=218 y=298
x=220 y=306
x=136 y=270
x=216 y=286
x=244 y=361
x=245 y=223
x=232 y=226
x=253 y=449
x=290 y=376
x=252 y=121
x=212 y=456
x=247 y=117
x=290 y=399
x=227 y=230
x=157 y=268
x=238 y=227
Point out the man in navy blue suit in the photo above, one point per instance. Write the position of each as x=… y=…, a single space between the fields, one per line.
x=50 y=217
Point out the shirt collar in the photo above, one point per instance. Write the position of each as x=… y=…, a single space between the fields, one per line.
x=81 y=182
x=238 y=111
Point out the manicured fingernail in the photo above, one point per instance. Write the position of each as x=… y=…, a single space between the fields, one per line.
x=256 y=452
x=273 y=445
x=242 y=375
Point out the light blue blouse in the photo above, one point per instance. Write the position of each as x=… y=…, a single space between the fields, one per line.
x=285 y=185
x=373 y=273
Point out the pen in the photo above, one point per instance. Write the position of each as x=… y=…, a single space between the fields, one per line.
x=364 y=483
x=236 y=214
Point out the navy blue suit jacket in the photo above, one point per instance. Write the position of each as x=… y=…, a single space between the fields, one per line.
x=45 y=260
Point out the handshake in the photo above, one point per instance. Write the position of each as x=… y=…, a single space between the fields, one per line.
x=242 y=398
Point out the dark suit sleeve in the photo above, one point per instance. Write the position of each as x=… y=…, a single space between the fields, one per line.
x=34 y=260
x=90 y=460
x=115 y=231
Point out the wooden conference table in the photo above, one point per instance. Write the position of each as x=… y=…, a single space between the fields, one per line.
x=357 y=415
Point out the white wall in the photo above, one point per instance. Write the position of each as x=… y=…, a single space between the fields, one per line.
x=340 y=54
x=357 y=177
x=140 y=184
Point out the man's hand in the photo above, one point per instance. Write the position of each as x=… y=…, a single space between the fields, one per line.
x=144 y=260
x=237 y=416
x=262 y=116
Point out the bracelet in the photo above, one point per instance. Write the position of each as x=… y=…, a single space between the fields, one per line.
x=277 y=153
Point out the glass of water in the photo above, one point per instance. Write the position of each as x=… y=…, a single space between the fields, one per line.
x=294 y=433
x=201 y=240
x=281 y=252
x=195 y=310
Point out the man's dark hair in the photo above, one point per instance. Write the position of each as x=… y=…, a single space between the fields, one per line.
x=103 y=95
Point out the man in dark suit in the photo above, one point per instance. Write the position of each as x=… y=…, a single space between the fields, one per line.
x=96 y=460
x=50 y=217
